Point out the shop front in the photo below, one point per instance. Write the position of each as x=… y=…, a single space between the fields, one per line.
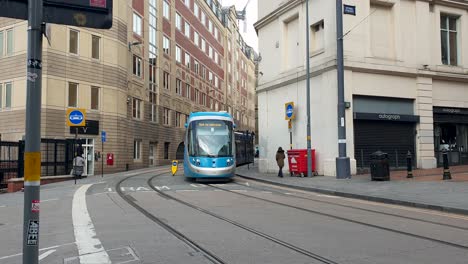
x=451 y=134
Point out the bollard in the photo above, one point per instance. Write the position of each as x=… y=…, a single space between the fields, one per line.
x=447 y=175
x=409 y=165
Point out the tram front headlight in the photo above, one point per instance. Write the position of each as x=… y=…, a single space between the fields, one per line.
x=198 y=162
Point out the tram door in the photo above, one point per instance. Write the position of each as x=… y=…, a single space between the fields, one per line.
x=88 y=154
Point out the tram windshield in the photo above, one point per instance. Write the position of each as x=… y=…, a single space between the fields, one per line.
x=210 y=138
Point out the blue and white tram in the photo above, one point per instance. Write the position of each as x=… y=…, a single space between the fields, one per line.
x=210 y=150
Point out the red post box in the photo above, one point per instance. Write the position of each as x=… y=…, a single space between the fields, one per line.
x=110 y=159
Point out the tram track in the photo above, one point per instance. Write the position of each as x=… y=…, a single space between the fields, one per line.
x=345 y=219
x=244 y=227
x=355 y=207
x=192 y=244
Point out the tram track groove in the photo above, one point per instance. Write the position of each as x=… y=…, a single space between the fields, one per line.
x=346 y=219
x=249 y=229
x=192 y=244
x=355 y=207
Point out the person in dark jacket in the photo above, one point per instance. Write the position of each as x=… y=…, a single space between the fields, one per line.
x=280 y=161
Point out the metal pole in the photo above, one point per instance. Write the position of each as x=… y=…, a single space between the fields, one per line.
x=343 y=170
x=102 y=160
x=309 y=151
x=32 y=154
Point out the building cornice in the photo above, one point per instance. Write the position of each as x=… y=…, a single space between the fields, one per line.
x=462 y=4
x=276 y=13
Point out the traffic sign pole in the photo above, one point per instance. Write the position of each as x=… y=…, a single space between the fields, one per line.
x=32 y=155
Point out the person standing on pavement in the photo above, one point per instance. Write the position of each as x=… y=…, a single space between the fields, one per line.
x=280 y=161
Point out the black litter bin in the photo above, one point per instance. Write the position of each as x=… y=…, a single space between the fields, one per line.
x=380 y=170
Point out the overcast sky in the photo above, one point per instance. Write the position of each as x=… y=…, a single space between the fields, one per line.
x=250 y=36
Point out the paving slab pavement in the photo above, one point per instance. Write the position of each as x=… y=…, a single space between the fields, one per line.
x=426 y=190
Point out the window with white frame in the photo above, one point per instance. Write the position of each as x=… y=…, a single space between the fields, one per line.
x=449 y=39
x=166 y=82
x=216 y=81
x=210 y=26
x=187 y=29
x=203 y=99
x=210 y=52
x=166 y=9
x=178 y=87
x=166 y=116
x=136 y=108
x=196 y=67
x=137 y=24
x=95 y=98
x=137 y=149
x=9 y=42
x=178 y=21
x=210 y=76
x=203 y=45
x=73 y=41
x=216 y=33
x=178 y=54
x=216 y=57
x=197 y=96
x=187 y=90
x=203 y=72
x=196 y=11
x=95 y=47
x=229 y=45
x=196 y=39
x=187 y=60
x=187 y=3
x=203 y=18
x=5 y=95
x=166 y=45
x=137 y=66
x=229 y=67
x=72 y=94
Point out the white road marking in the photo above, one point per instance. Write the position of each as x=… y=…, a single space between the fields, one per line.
x=46 y=254
x=48 y=200
x=266 y=192
x=162 y=188
x=187 y=190
x=89 y=246
x=139 y=189
x=1 y=206
x=42 y=249
x=328 y=196
x=240 y=190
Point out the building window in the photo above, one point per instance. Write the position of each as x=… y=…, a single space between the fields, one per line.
x=216 y=33
x=187 y=3
x=166 y=80
x=216 y=81
x=166 y=150
x=137 y=24
x=178 y=21
x=203 y=99
x=229 y=67
x=7 y=103
x=229 y=46
x=203 y=18
x=178 y=54
x=136 y=108
x=166 y=9
x=136 y=66
x=229 y=88
x=178 y=87
x=73 y=44
x=204 y=73
x=203 y=45
x=152 y=100
x=210 y=52
x=216 y=57
x=166 y=45
x=137 y=149
x=195 y=10
x=9 y=42
x=187 y=60
x=95 y=49
x=196 y=38
x=177 y=119
x=449 y=39
x=94 y=98
x=196 y=67
x=197 y=96
x=210 y=77
x=187 y=29
x=210 y=26
x=166 y=116
x=187 y=90
x=72 y=94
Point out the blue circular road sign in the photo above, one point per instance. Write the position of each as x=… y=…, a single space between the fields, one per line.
x=289 y=111
x=76 y=117
x=174 y=163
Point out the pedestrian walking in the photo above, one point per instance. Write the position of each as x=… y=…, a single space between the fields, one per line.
x=280 y=161
x=78 y=166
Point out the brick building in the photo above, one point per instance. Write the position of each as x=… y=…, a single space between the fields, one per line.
x=138 y=81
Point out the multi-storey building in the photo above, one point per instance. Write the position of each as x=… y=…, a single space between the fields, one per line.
x=405 y=80
x=138 y=81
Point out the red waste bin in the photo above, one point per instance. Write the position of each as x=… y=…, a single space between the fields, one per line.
x=297 y=160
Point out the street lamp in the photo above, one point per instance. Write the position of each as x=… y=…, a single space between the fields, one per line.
x=130 y=44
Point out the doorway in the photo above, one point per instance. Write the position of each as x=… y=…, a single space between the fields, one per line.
x=152 y=154
x=88 y=154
